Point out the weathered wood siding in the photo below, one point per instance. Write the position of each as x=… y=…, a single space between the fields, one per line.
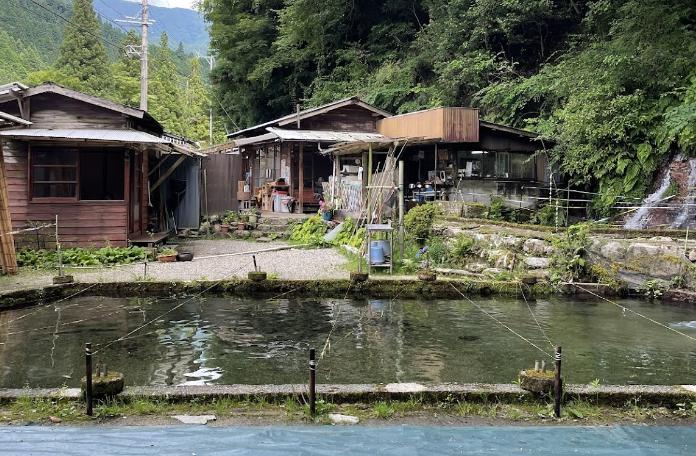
x=84 y=223
x=347 y=118
x=445 y=124
x=56 y=111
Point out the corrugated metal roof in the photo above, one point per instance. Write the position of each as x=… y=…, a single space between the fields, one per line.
x=325 y=136
x=255 y=139
x=85 y=134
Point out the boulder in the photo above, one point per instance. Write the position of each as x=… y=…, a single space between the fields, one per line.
x=537 y=381
x=476 y=267
x=337 y=418
x=537 y=247
x=107 y=385
x=537 y=262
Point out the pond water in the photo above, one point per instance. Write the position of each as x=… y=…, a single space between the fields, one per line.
x=214 y=340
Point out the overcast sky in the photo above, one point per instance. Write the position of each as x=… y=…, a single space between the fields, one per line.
x=171 y=3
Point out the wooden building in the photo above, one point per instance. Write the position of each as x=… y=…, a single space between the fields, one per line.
x=451 y=154
x=101 y=167
x=289 y=148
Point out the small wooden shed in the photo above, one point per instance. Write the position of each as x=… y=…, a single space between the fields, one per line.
x=94 y=163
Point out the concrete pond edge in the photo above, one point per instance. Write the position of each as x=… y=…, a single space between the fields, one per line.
x=613 y=395
x=382 y=287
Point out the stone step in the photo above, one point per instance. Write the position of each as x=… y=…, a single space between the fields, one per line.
x=267 y=228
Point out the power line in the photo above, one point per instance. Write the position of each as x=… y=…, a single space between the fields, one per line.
x=67 y=21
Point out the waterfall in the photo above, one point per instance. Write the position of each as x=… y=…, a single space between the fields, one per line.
x=639 y=219
x=686 y=214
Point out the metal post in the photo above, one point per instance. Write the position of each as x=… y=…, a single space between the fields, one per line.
x=312 y=382
x=88 y=383
x=144 y=56
x=557 y=384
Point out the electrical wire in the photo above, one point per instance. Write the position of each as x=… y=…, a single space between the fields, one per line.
x=535 y=318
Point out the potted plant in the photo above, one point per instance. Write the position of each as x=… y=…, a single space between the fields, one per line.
x=326 y=210
x=227 y=221
x=167 y=255
x=425 y=274
x=257 y=275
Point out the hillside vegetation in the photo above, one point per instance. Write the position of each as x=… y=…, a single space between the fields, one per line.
x=86 y=52
x=612 y=82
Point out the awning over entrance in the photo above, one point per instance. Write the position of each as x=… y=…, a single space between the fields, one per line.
x=95 y=135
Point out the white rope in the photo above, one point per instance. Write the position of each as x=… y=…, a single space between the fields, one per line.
x=624 y=308
x=501 y=323
x=535 y=318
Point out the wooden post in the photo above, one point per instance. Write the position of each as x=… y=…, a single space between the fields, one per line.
x=301 y=178
x=557 y=384
x=369 y=165
x=88 y=375
x=8 y=255
x=58 y=252
x=312 y=382
x=402 y=210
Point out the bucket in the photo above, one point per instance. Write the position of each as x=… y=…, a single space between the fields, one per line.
x=376 y=252
x=327 y=216
x=386 y=247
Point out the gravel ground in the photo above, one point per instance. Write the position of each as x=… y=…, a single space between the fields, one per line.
x=285 y=264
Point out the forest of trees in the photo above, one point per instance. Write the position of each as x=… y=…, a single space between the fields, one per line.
x=612 y=82
x=86 y=54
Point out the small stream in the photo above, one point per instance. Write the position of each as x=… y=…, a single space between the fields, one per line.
x=232 y=340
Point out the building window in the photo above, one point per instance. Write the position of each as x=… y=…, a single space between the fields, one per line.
x=54 y=173
x=71 y=174
x=101 y=175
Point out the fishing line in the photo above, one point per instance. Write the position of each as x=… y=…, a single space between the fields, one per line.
x=178 y=306
x=535 y=318
x=501 y=323
x=624 y=308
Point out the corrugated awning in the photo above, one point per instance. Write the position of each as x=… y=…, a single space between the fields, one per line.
x=85 y=134
x=325 y=136
x=96 y=135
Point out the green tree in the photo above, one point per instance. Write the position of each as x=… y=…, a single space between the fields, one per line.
x=126 y=74
x=196 y=105
x=165 y=88
x=82 y=55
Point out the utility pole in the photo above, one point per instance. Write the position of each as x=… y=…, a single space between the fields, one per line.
x=211 y=63
x=144 y=22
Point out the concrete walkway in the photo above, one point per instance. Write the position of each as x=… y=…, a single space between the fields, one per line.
x=349 y=440
x=222 y=262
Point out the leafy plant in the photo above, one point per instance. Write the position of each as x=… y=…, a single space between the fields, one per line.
x=551 y=214
x=311 y=231
x=418 y=222
x=349 y=235
x=568 y=262
x=653 y=289
x=78 y=256
x=167 y=251
x=497 y=209
x=463 y=246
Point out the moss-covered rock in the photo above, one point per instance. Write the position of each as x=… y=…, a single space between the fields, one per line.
x=107 y=385
x=537 y=381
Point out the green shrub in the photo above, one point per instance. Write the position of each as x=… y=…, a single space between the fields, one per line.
x=497 y=209
x=463 y=246
x=311 y=231
x=437 y=251
x=348 y=234
x=418 y=222
x=568 y=260
x=552 y=214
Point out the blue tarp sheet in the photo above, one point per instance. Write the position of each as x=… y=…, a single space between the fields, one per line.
x=357 y=440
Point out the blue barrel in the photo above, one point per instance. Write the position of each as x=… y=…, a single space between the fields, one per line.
x=376 y=252
x=386 y=247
